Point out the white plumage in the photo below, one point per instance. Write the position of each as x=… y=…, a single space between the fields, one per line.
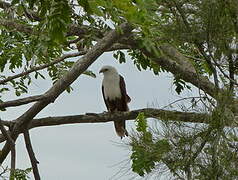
x=111 y=84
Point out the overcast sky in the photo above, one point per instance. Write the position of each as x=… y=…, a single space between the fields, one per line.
x=89 y=151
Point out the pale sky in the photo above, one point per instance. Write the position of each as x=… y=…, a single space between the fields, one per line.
x=89 y=151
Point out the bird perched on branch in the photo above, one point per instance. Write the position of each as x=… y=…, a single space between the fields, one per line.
x=115 y=96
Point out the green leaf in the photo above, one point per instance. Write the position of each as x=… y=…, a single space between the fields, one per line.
x=18 y=93
x=122 y=58
x=69 y=89
x=141 y=123
x=85 y=5
x=119 y=55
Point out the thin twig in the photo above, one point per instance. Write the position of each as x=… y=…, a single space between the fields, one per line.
x=224 y=74
x=21 y=101
x=4 y=170
x=31 y=154
x=198 y=151
x=13 y=162
x=36 y=68
x=182 y=99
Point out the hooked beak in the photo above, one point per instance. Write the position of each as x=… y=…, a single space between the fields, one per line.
x=101 y=71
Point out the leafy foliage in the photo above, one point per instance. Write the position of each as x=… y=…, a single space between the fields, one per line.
x=186 y=150
x=18 y=174
x=146 y=151
x=119 y=55
x=180 y=85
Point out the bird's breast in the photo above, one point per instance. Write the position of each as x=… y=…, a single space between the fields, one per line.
x=112 y=88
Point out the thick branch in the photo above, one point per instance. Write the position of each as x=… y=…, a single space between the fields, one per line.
x=107 y=117
x=166 y=115
x=131 y=115
x=31 y=154
x=177 y=64
x=78 y=68
x=187 y=75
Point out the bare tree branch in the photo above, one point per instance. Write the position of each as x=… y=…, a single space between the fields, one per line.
x=31 y=154
x=160 y=114
x=166 y=115
x=131 y=115
x=77 y=69
x=21 y=101
x=182 y=99
x=183 y=71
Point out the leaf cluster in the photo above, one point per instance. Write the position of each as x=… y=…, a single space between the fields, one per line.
x=146 y=151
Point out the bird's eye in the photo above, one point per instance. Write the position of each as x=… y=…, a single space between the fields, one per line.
x=106 y=69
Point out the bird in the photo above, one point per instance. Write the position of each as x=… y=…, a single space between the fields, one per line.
x=115 y=96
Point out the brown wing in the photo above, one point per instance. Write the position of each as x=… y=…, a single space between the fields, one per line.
x=123 y=90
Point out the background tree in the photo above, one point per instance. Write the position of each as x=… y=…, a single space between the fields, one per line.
x=194 y=40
